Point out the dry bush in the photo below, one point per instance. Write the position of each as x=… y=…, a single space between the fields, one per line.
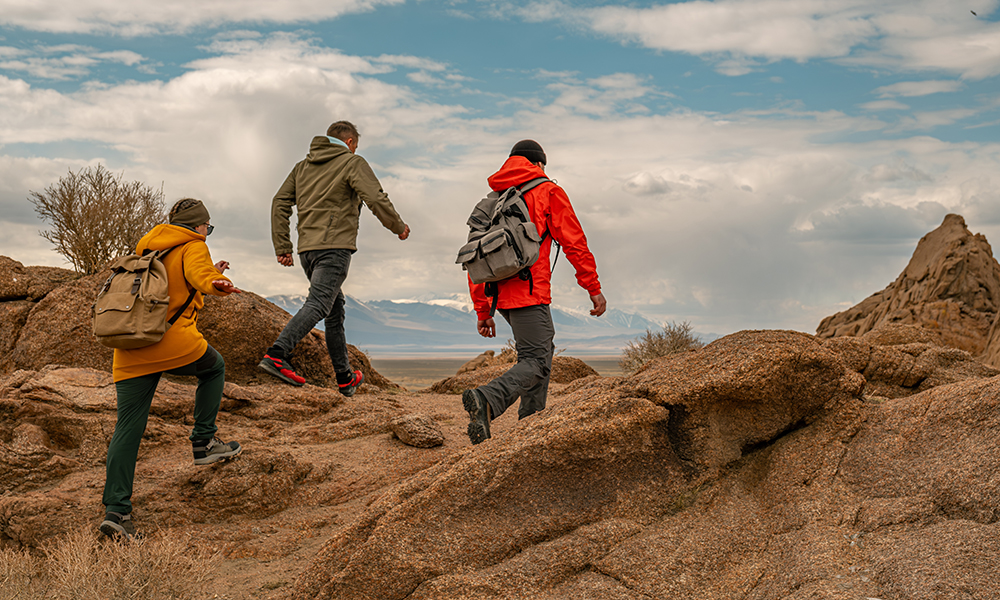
x=508 y=355
x=95 y=216
x=675 y=337
x=83 y=566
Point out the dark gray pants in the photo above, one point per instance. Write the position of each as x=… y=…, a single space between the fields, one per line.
x=326 y=270
x=529 y=378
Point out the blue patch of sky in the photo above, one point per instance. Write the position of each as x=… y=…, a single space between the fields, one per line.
x=70 y=150
x=502 y=57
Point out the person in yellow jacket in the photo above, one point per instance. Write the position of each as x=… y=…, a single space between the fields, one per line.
x=182 y=351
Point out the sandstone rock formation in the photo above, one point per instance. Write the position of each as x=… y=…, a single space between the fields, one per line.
x=753 y=468
x=951 y=287
x=417 y=430
x=564 y=370
x=479 y=361
x=898 y=360
x=758 y=467
x=45 y=319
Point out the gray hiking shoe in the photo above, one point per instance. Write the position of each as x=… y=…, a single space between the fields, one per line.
x=207 y=452
x=479 y=415
x=118 y=527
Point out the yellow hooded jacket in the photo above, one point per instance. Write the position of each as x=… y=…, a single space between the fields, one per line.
x=188 y=267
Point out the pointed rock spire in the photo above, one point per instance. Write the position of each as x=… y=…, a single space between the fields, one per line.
x=951 y=287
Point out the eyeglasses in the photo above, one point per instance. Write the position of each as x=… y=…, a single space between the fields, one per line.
x=211 y=228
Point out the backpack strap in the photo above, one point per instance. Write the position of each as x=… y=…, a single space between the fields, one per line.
x=526 y=187
x=183 y=308
x=160 y=255
x=492 y=290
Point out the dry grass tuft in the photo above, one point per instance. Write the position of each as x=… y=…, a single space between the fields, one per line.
x=675 y=337
x=84 y=566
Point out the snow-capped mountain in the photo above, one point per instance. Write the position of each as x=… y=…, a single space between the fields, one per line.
x=447 y=326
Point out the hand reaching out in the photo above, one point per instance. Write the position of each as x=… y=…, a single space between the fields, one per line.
x=226 y=286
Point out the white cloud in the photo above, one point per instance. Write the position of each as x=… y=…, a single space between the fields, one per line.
x=61 y=62
x=739 y=36
x=917 y=88
x=884 y=105
x=228 y=131
x=145 y=17
x=646 y=184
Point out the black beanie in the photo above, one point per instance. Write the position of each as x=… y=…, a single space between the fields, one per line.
x=529 y=149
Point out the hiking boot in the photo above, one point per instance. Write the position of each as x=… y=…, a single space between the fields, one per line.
x=282 y=369
x=348 y=388
x=479 y=415
x=207 y=452
x=119 y=527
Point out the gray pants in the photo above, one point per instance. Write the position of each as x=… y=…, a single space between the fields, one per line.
x=529 y=378
x=326 y=270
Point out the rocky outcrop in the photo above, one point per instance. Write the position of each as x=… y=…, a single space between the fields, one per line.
x=898 y=360
x=480 y=361
x=56 y=423
x=752 y=468
x=417 y=430
x=565 y=369
x=46 y=319
x=951 y=288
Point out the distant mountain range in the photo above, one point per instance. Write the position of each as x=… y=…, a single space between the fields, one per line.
x=447 y=327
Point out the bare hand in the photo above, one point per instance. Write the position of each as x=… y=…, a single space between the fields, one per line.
x=406 y=232
x=222 y=266
x=226 y=286
x=286 y=260
x=600 y=305
x=487 y=328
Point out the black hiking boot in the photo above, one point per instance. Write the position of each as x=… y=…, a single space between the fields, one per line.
x=119 y=527
x=479 y=415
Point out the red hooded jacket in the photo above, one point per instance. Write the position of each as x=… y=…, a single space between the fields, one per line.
x=550 y=210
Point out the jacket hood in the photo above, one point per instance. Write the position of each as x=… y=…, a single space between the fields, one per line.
x=321 y=150
x=166 y=235
x=515 y=171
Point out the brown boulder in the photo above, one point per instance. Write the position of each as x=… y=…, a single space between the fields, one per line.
x=572 y=482
x=896 y=361
x=57 y=329
x=565 y=369
x=480 y=361
x=750 y=468
x=417 y=430
x=13 y=280
x=951 y=288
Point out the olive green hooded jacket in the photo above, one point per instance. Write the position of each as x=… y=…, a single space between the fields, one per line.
x=328 y=188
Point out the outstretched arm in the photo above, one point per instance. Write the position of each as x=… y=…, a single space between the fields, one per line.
x=368 y=188
x=281 y=213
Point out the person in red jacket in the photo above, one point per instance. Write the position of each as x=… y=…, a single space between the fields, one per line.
x=524 y=304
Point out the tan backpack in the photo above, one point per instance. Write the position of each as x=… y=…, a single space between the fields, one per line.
x=131 y=308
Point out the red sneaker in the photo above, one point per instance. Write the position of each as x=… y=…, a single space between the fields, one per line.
x=281 y=369
x=348 y=388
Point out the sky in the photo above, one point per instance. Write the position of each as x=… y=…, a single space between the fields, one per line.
x=736 y=164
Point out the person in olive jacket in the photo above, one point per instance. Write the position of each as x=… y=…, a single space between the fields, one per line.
x=328 y=189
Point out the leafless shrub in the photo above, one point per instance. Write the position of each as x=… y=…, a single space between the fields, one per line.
x=84 y=566
x=675 y=337
x=508 y=355
x=95 y=216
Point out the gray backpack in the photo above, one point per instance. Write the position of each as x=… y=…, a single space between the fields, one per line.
x=503 y=242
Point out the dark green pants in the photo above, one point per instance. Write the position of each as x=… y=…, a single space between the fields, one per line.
x=135 y=396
